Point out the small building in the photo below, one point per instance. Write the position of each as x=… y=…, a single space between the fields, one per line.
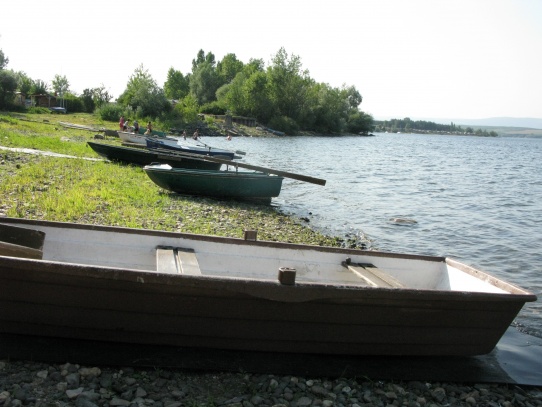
x=43 y=100
x=20 y=99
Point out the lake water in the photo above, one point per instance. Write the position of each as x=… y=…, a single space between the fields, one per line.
x=475 y=199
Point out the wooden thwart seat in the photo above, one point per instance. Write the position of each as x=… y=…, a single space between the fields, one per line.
x=176 y=260
x=372 y=275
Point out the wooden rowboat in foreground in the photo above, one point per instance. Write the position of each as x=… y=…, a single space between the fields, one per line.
x=139 y=286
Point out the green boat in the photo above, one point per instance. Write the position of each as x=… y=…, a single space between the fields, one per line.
x=230 y=184
x=143 y=156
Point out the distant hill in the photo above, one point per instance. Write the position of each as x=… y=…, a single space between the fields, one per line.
x=523 y=122
x=517 y=122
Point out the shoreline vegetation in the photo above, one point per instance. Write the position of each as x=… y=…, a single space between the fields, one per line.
x=83 y=191
x=100 y=192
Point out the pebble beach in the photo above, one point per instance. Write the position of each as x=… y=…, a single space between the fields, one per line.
x=27 y=383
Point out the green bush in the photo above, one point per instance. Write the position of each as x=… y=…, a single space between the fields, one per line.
x=12 y=107
x=285 y=124
x=73 y=104
x=212 y=108
x=38 y=110
x=110 y=112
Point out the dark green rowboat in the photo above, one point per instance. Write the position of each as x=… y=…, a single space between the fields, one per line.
x=143 y=156
x=244 y=185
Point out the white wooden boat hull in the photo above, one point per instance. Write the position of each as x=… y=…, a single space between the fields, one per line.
x=103 y=283
x=134 y=138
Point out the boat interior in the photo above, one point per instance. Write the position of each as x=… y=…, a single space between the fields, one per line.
x=206 y=256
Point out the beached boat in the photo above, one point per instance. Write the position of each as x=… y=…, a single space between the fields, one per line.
x=144 y=156
x=230 y=184
x=138 y=138
x=176 y=145
x=138 y=286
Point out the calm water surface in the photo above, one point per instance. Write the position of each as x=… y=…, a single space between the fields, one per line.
x=476 y=199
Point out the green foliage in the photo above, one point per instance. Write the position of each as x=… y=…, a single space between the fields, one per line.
x=204 y=83
x=143 y=95
x=100 y=96
x=421 y=126
x=228 y=68
x=38 y=110
x=212 y=108
x=39 y=87
x=73 y=104
x=60 y=85
x=24 y=83
x=88 y=101
x=176 y=86
x=110 y=112
x=359 y=122
x=288 y=84
x=188 y=109
x=282 y=93
x=3 y=60
x=8 y=86
x=285 y=124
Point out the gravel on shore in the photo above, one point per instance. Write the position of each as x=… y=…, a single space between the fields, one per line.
x=27 y=383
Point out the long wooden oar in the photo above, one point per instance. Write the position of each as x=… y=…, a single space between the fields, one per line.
x=299 y=177
x=208 y=146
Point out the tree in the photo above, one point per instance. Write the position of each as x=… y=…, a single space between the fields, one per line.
x=201 y=58
x=331 y=110
x=176 y=85
x=143 y=95
x=352 y=95
x=187 y=109
x=88 y=100
x=287 y=84
x=256 y=97
x=24 y=83
x=101 y=96
x=8 y=86
x=3 y=60
x=228 y=68
x=39 y=87
x=360 y=123
x=204 y=83
x=60 y=85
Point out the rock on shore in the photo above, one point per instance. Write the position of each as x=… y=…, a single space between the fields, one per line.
x=25 y=383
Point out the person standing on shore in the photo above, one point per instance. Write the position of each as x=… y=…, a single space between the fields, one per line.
x=149 y=129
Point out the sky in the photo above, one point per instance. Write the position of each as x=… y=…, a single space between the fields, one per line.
x=421 y=59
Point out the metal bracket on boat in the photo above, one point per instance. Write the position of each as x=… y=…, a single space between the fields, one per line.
x=251 y=235
x=287 y=275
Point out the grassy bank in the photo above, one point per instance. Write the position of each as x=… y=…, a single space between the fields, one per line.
x=99 y=192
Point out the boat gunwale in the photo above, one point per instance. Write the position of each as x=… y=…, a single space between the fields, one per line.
x=513 y=292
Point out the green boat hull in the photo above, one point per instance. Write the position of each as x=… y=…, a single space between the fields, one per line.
x=243 y=185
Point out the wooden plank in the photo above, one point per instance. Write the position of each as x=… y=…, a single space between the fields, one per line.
x=374 y=276
x=21 y=242
x=22 y=236
x=165 y=261
x=188 y=262
x=15 y=250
